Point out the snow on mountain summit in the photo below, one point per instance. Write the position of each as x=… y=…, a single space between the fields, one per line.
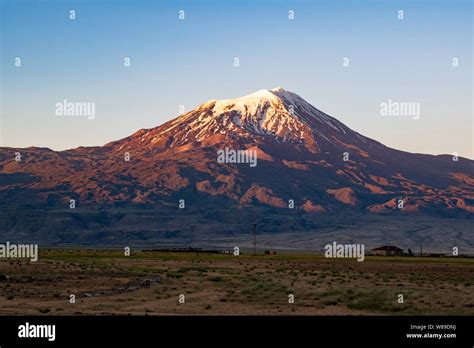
x=275 y=114
x=275 y=95
x=249 y=102
x=264 y=112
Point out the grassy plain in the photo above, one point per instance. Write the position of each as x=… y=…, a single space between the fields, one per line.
x=105 y=282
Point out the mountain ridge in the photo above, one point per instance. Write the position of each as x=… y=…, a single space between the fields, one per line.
x=311 y=158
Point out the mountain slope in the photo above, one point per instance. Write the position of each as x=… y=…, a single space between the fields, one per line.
x=303 y=155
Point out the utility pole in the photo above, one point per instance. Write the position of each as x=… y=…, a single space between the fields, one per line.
x=255 y=239
x=421 y=250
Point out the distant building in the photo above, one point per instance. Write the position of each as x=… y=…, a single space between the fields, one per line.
x=388 y=250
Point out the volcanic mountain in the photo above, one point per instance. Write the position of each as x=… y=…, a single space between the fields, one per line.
x=307 y=161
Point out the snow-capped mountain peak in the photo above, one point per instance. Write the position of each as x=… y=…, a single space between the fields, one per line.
x=264 y=112
x=275 y=114
x=251 y=101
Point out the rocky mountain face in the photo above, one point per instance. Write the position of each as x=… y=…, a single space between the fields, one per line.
x=302 y=155
x=269 y=157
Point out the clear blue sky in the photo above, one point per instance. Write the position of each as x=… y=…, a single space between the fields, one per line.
x=188 y=62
